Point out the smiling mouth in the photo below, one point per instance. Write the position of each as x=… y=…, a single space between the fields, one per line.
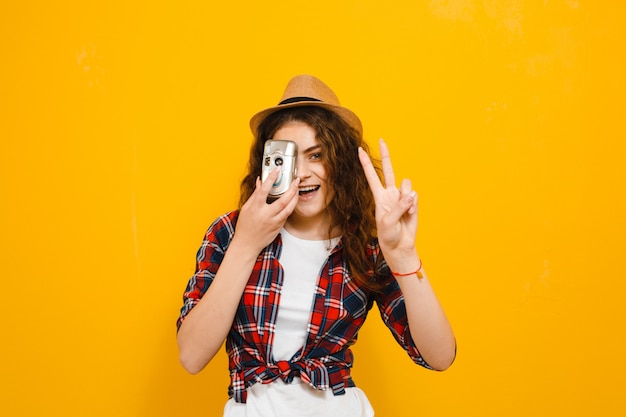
x=308 y=190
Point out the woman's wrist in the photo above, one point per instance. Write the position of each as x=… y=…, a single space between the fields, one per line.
x=417 y=272
x=244 y=249
x=404 y=264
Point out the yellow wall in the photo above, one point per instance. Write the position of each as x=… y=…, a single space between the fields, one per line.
x=123 y=133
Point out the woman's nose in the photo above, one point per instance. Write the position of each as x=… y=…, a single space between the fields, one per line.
x=302 y=169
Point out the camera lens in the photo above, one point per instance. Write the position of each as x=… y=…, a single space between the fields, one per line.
x=278 y=161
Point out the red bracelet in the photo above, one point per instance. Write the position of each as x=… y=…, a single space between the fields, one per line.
x=417 y=272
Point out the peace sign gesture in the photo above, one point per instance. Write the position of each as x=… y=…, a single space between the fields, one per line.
x=396 y=208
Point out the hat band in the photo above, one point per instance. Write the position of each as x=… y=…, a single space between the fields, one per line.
x=297 y=100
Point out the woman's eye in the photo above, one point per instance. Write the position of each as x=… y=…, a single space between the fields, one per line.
x=316 y=155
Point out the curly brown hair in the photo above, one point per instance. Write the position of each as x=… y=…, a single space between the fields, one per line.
x=352 y=208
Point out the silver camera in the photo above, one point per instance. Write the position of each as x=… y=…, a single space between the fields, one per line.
x=279 y=154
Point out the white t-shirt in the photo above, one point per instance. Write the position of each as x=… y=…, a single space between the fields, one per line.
x=302 y=261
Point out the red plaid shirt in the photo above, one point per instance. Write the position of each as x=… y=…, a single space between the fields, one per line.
x=339 y=310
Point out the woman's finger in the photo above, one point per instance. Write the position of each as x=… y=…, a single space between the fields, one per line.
x=409 y=196
x=287 y=201
x=413 y=208
x=390 y=180
x=291 y=199
x=406 y=204
x=405 y=187
x=370 y=172
x=270 y=180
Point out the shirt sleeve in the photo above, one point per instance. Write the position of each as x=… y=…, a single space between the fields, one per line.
x=208 y=260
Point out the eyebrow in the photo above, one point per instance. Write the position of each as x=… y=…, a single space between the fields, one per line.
x=312 y=148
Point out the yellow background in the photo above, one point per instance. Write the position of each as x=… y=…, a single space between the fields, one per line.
x=124 y=133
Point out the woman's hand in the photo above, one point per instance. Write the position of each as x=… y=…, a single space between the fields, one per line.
x=396 y=208
x=205 y=328
x=260 y=222
x=396 y=221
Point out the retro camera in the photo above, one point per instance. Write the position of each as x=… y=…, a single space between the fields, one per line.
x=279 y=154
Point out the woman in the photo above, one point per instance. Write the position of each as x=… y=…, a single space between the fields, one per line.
x=289 y=284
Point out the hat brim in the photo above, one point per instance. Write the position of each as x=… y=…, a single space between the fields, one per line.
x=347 y=115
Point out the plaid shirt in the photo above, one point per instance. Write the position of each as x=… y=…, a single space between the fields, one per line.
x=339 y=310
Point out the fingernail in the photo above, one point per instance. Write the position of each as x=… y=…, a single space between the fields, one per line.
x=411 y=198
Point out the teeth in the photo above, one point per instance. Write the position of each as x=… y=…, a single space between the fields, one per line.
x=308 y=189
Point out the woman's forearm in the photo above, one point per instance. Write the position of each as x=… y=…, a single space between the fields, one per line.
x=206 y=326
x=429 y=326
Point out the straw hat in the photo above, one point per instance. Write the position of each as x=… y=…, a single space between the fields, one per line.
x=306 y=90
